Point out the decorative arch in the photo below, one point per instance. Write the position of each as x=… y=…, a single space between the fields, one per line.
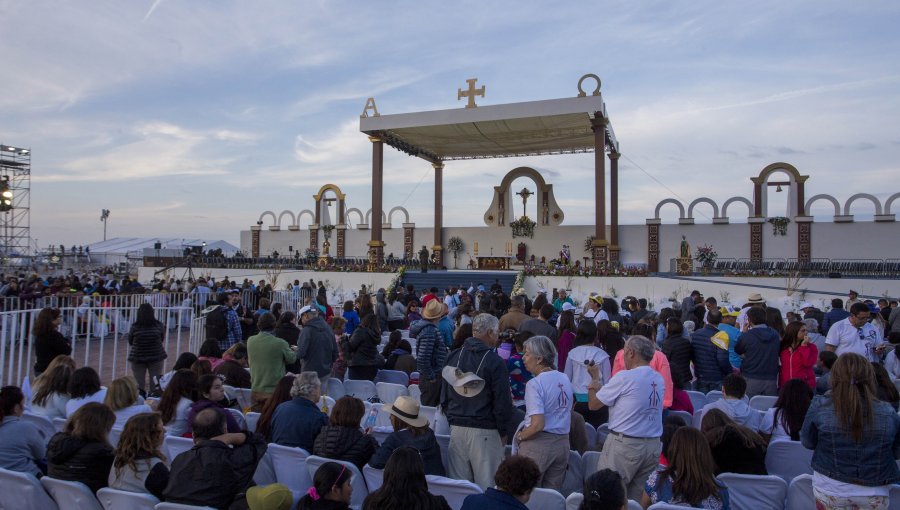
x=290 y=215
x=889 y=202
x=269 y=213
x=400 y=209
x=501 y=211
x=775 y=167
x=866 y=196
x=796 y=189
x=369 y=216
x=828 y=198
x=312 y=216
x=703 y=200
x=359 y=214
x=341 y=197
x=733 y=200
x=677 y=203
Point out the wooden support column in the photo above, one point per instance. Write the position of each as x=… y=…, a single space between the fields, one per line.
x=614 y=208
x=599 y=253
x=376 y=245
x=341 y=240
x=254 y=240
x=653 y=245
x=438 y=248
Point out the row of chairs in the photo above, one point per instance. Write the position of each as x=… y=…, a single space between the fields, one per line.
x=759 y=402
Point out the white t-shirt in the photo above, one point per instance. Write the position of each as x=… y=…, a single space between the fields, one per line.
x=54 y=406
x=892 y=364
x=179 y=424
x=122 y=415
x=848 y=338
x=73 y=404
x=550 y=394
x=599 y=315
x=771 y=427
x=576 y=370
x=635 y=400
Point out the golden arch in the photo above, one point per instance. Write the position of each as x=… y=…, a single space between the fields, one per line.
x=318 y=197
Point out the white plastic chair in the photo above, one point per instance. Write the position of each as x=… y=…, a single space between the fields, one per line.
x=59 y=423
x=374 y=477
x=363 y=390
x=686 y=416
x=762 y=402
x=697 y=418
x=444 y=443
x=238 y=417
x=44 y=425
x=574 y=480
x=175 y=446
x=414 y=376
x=415 y=392
x=755 y=492
x=591 y=434
x=574 y=501
x=113 y=499
x=325 y=400
x=428 y=412
x=242 y=395
x=634 y=505
x=114 y=435
x=252 y=419
x=788 y=459
x=664 y=506
x=180 y=506
x=71 y=494
x=23 y=490
x=454 y=491
x=698 y=399
x=894 y=503
x=388 y=392
x=289 y=468
x=546 y=499
x=441 y=425
x=334 y=388
x=800 y=494
x=357 y=481
x=590 y=462
x=392 y=376
x=602 y=432
x=712 y=396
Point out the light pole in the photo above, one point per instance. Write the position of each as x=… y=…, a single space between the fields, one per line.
x=104 y=215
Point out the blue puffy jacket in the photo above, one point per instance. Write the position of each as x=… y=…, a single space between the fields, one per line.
x=710 y=362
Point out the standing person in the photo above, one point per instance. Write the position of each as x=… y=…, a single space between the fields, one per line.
x=584 y=355
x=396 y=313
x=798 y=355
x=146 y=341
x=516 y=314
x=710 y=358
x=431 y=350
x=268 y=356
x=48 y=341
x=635 y=400
x=566 y=341
x=541 y=325
x=317 y=350
x=760 y=346
x=475 y=398
x=351 y=316
x=835 y=315
x=22 y=448
x=548 y=413
x=679 y=352
x=688 y=305
x=561 y=299
x=852 y=299
x=363 y=362
x=855 y=439
x=855 y=334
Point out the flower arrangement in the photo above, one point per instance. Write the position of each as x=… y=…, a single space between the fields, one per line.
x=312 y=253
x=518 y=285
x=588 y=243
x=326 y=230
x=779 y=225
x=706 y=255
x=523 y=227
x=578 y=270
x=395 y=281
x=455 y=246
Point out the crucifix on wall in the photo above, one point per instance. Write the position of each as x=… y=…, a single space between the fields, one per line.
x=525 y=193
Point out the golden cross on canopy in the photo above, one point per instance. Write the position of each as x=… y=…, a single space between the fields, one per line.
x=470 y=93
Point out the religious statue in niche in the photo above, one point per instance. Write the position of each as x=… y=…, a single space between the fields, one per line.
x=501 y=219
x=685 y=248
x=685 y=262
x=565 y=256
x=545 y=210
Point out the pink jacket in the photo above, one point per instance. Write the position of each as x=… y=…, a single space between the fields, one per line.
x=659 y=363
x=798 y=364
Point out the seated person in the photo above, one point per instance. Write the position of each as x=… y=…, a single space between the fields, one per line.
x=51 y=389
x=410 y=429
x=220 y=466
x=297 y=422
x=342 y=438
x=210 y=351
x=733 y=403
x=84 y=387
x=785 y=419
x=234 y=367
x=139 y=465
x=604 y=490
x=212 y=394
x=735 y=448
x=22 y=448
x=689 y=478
x=516 y=477
x=405 y=486
x=185 y=361
x=331 y=489
x=123 y=399
x=81 y=452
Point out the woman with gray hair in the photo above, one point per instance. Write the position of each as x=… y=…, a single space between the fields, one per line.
x=548 y=413
x=815 y=338
x=297 y=422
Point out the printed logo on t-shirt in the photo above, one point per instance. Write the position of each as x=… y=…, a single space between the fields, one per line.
x=654 y=396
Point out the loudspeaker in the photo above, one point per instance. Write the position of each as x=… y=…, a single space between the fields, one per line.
x=834 y=275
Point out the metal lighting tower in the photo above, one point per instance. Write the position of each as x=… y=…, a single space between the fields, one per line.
x=15 y=202
x=104 y=215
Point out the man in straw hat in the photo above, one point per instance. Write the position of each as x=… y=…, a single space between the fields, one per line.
x=410 y=429
x=754 y=300
x=431 y=352
x=476 y=399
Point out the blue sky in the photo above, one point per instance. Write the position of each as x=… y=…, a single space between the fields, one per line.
x=191 y=118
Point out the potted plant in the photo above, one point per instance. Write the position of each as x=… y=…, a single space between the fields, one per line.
x=455 y=246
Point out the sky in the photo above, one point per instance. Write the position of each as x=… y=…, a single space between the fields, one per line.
x=191 y=118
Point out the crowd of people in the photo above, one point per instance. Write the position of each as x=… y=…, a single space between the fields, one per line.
x=503 y=371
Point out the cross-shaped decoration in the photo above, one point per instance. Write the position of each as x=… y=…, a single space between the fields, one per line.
x=470 y=93
x=525 y=193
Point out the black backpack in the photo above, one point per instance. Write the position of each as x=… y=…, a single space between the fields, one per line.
x=216 y=324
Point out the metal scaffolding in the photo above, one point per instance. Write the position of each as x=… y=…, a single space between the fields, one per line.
x=15 y=219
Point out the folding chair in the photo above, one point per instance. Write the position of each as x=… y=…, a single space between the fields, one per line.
x=360 y=489
x=334 y=388
x=591 y=434
x=363 y=390
x=238 y=417
x=800 y=494
x=444 y=444
x=546 y=499
x=392 y=376
x=180 y=506
x=252 y=419
x=23 y=490
x=712 y=396
x=388 y=392
x=177 y=445
x=788 y=459
x=762 y=402
x=573 y=502
x=113 y=499
x=574 y=479
x=44 y=425
x=70 y=494
x=755 y=492
x=325 y=400
x=374 y=477
x=289 y=464
x=698 y=399
x=686 y=416
x=454 y=491
x=590 y=462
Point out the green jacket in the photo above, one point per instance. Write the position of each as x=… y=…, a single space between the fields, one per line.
x=267 y=355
